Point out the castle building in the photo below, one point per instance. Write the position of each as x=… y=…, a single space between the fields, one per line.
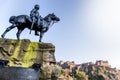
x=103 y=63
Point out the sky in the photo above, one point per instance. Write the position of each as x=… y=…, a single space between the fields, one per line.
x=88 y=30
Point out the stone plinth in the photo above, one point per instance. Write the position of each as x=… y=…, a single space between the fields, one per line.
x=24 y=53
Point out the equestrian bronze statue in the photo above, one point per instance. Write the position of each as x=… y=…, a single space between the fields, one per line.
x=24 y=21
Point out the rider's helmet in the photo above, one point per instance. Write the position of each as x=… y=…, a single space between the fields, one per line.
x=37 y=6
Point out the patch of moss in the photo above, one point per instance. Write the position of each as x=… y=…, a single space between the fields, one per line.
x=30 y=55
x=17 y=50
x=24 y=46
x=15 y=53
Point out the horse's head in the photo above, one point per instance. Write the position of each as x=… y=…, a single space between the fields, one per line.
x=51 y=17
x=54 y=17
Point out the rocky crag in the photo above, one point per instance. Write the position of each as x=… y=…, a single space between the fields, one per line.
x=24 y=53
x=101 y=70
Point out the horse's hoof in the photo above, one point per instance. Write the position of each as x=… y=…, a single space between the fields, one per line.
x=39 y=40
x=2 y=36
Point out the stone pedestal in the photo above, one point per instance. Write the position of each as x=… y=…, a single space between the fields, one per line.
x=18 y=73
x=24 y=53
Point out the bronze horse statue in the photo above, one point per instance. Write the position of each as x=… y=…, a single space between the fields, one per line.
x=24 y=21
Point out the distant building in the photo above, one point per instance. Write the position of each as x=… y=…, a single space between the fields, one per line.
x=103 y=63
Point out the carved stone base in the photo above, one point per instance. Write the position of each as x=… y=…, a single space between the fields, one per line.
x=24 y=53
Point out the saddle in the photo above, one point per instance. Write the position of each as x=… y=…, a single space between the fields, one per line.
x=36 y=21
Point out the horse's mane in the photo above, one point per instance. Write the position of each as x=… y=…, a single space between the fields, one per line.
x=46 y=17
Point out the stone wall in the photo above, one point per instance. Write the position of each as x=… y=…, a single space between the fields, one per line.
x=24 y=53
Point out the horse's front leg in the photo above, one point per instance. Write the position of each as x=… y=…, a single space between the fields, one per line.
x=41 y=35
x=7 y=30
x=18 y=34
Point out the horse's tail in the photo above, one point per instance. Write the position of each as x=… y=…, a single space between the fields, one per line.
x=12 y=19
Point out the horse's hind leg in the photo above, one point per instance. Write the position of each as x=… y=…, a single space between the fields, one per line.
x=7 y=30
x=18 y=33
